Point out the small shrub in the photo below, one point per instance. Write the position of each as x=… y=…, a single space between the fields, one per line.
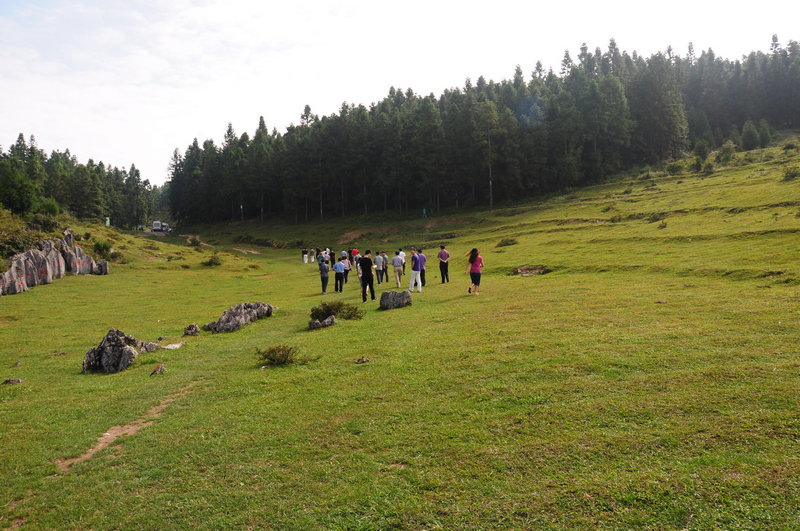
x=185 y=266
x=789 y=145
x=656 y=216
x=627 y=191
x=16 y=243
x=674 y=168
x=791 y=173
x=616 y=218
x=194 y=241
x=87 y=236
x=46 y=221
x=339 y=309
x=213 y=260
x=708 y=168
x=102 y=249
x=282 y=355
x=662 y=225
x=505 y=242
x=606 y=208
x=117 y=256
x=48 y=207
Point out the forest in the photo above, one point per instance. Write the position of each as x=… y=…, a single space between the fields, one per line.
x=33 y=182
x=485 y=143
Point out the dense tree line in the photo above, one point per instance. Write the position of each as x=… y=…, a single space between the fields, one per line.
x=488 y=141
x=31 y=181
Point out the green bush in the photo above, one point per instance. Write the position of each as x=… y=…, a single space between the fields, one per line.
x=339 y=309
x=11 y=244
x=213 y=260
x=791 y=173
x=49 y=207
x=674 y=168
x=102 y=250
x=282 y=355
x=708 y=168
x=46 y=221
x=505 y=242
x=194 y=241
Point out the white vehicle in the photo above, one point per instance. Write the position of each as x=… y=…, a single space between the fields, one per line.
x=156 y=226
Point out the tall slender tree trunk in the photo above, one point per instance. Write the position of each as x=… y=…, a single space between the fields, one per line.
x=491 y=197
x=262 y=208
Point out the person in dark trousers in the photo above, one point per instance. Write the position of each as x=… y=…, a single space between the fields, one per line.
x=347 y=268
x=338 y=281
x=444 y=264
x=379 y=267
x=386 y=264
x=366 y=276
x=323 y=274
x=422 y=260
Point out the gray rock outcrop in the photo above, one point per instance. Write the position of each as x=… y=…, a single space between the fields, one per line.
x=191 y=330
x=36 y=267
x=150 y=346
x=233 y=318
x=316 y=323
x=392 y=299
x=12 y=381
x=115 y=353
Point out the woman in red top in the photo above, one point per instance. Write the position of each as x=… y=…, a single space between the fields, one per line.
x=474 y=266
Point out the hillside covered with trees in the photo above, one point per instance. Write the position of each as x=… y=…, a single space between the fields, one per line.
x=32 y=181
x=483 y=143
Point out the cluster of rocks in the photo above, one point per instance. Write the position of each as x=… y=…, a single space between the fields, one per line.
x=53 y=259
x=233 y=318
x=117 y=351
x=316 y=323
x=392 y=299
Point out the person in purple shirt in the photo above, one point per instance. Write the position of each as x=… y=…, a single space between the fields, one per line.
x=422 y=260
x=415 y=271
x=444 y=264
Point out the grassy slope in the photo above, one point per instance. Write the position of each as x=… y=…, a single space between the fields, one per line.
x=650 y=381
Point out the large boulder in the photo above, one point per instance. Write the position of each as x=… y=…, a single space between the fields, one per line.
x=392 y=299
x=191 y=330
x=233 y=318
x=37 y=271
x=100 y=268
x=53 y=257
x=13 y=281
x=78 y=262
x=115 y=353
x=316 y=323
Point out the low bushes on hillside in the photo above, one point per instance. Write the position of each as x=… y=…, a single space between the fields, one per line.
x=339 y=309
x=282 y=355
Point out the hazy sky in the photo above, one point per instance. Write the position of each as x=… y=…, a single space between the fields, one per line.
x=128 y=82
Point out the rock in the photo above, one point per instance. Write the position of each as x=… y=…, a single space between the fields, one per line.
x=150 y=346
x=191 y=330
x=316 y=323
x=233 y=318
x=392 y=299
x=115 y=353
x=100 y=268
x=159 y=370
x=18 y=363
x=53 y=258
x=77 y=262
x=531 y=270
x=13 y=281
x=13 y=381
x=68 y=237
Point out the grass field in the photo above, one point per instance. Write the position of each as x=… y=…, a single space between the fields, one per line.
x=650 y=381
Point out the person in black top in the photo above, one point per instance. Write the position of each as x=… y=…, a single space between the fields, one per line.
x=366 y=275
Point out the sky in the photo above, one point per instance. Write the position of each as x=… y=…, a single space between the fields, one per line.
x=129 y=82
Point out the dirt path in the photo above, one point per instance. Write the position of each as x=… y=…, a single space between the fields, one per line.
x=246 y=251
x=64 y=465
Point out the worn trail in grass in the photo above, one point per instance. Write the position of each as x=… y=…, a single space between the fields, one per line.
x=650 y=381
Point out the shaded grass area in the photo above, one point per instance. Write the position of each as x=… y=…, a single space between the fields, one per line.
x=650 y=381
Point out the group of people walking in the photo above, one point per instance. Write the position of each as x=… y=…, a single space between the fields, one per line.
x=369 y=268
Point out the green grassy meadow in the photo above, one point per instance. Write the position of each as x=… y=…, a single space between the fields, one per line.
x=650 y=381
